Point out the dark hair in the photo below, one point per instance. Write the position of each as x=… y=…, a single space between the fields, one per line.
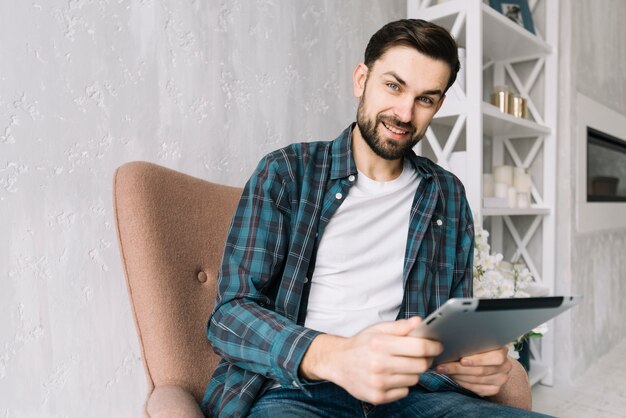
x=429 y=39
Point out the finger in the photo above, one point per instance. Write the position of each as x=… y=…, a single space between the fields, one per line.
x=408 y=346
x=497 y=379
x=488 y=358
x=388 y=396
x=394 y=381
x=458 y=369
x=399 y=327
x=483 y=385
x=405 y=365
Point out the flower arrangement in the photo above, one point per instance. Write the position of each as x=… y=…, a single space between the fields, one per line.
x=495 y=278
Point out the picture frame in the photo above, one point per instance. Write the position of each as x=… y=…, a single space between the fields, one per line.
x=517 y=11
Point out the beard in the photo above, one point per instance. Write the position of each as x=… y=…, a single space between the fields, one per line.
x=386 y=148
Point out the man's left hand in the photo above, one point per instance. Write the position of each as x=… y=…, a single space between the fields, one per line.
x=484 y=373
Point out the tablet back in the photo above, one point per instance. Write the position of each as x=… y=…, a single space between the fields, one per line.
x=469 y=326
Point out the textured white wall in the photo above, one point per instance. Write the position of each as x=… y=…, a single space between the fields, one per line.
x=591 y=61
x=599 y=37
x=598 y=259
x=205 y=87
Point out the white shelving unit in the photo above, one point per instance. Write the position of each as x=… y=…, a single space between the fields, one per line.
x=500 y=52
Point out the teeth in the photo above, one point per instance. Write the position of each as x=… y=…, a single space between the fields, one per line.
x=395 y=130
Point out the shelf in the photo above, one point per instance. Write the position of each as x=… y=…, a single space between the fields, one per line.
x=515 y=211
x=503 y=40
x=495 y=122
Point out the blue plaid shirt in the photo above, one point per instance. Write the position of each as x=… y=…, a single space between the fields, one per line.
x=257 y=325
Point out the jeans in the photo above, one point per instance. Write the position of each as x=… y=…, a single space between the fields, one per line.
x=330 y=400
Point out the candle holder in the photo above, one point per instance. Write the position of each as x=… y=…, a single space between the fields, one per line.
x=518 y=106
x=501 y=97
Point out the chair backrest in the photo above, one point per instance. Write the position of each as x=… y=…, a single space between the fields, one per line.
x=171 y=229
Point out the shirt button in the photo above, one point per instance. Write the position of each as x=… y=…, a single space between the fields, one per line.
x=295 y=384
x=439 y=222
x=306 y=280
x=338 y=196
x=351 y=178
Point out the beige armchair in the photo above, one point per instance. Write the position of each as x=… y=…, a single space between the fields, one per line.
x=171 y=229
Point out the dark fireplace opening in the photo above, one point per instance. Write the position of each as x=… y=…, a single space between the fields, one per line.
x=606 y=167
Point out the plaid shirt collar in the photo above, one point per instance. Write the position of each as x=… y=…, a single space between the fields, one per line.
x=343 y=164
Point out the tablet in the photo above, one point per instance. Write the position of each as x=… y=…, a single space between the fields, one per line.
x=469 y=326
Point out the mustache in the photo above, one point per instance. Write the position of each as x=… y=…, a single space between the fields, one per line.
x=393 y=121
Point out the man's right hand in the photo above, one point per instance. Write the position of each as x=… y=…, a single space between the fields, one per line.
x=377 y=365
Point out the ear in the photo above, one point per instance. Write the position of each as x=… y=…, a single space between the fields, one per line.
x=358 y=80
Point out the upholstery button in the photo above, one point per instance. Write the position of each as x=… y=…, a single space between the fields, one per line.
x=202 y=277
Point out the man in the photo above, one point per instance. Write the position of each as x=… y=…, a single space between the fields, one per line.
x=336 y=251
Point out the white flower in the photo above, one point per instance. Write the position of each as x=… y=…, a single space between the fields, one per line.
x=541 y=329
x=513 y=353
x=507 y=290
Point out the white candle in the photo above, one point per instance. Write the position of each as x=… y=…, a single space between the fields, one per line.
x=512 y=197
x=523 y=200
x=501 y=190
x=503 y=174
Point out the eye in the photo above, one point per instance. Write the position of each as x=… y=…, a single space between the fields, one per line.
x=393 y=86
x=426 y=100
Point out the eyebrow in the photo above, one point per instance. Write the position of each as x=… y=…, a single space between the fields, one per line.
x=434 y=92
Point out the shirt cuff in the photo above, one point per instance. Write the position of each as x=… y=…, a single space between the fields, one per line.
x=286 y=355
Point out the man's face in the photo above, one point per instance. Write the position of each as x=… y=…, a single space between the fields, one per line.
x=399 y=95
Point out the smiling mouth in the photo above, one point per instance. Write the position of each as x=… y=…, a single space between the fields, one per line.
x=395 y=130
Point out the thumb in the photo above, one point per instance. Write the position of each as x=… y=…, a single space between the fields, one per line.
x=400 y=327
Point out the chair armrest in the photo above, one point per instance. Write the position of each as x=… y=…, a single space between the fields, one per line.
x=172 y=401
x=516 y=392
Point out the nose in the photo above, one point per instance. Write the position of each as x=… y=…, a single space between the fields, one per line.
x=403 y=110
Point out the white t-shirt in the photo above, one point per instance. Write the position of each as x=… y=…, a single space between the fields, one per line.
x=358 y=278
